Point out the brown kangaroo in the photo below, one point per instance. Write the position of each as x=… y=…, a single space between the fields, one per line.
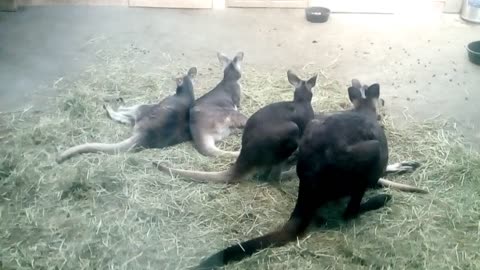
x=341 y=155
x=395 y=168
x=271 y=135
x=214 y=114
x=154 y=125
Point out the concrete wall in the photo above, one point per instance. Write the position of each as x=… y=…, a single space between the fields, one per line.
x=8 y=5
x=448 y=6
x=389 y=6
x=452 y=6
x=72 y=2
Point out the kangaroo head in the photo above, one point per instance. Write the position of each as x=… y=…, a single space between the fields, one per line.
x=185 y=83
x=231 y=68
x=365 y=99
x=303 y=89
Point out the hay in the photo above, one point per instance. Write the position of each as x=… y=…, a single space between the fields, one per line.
x=117 y=212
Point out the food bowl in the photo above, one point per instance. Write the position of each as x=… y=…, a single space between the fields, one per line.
x=473 y=49
x=317 y=14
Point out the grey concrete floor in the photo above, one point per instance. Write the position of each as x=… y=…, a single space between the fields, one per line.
x=421 y=64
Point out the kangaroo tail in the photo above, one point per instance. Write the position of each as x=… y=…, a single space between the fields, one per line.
x=109 y=148
x=226 y=176
x=289 y=232
x=402 y=187
x=296 y=226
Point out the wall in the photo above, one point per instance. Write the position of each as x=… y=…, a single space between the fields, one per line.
x=8 y=5
x=389 y=6
x=449 y=6
x=452 y=6
x=73 y=2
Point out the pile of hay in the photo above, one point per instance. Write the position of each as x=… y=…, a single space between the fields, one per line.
x=106 y=212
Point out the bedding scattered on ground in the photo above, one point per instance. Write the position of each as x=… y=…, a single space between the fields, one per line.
x=100 y=211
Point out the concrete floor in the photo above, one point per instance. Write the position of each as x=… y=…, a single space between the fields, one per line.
x=421 y=64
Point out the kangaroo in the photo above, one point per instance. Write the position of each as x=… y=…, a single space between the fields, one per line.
x=154 y=125
x=214 y=114
x=395 y=168
x=270 y=136
x=341 y=155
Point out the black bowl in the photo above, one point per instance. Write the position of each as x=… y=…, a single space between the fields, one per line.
x=317 y=14
x=473 y=49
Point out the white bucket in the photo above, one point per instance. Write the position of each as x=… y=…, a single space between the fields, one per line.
x=471 y=11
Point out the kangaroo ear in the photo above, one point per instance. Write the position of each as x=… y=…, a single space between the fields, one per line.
x=354 y=94
x=311 y=82
x=192 y=72
x=356 y=84
x=293 y=79
x=237 y=60
x=223 y=59
x=373 y=92
x=238 y=57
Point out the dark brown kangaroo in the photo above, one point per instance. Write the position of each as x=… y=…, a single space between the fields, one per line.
x=271 y=135
x=214 y=114
x=154 y=125
x=395 y=168
x=341 y=155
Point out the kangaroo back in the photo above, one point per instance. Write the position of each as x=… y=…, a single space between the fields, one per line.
x=214 y=114
x=227 y=92
x=167 y=123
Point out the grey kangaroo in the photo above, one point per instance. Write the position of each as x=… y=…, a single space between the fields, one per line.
x=215 y=114
x=270 y=136
x=154 y=125
x=341 y=155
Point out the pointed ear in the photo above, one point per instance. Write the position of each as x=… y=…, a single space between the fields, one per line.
x=223 y=59
x=192 y=72
x=179 y=81
x=311 y=82
x=356 y=84
x=293 y=79
x=238 y=58
x=354 y=94
x=373 y=92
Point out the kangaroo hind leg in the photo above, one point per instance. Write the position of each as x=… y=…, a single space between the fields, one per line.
x=206 y=146
x=122 y=117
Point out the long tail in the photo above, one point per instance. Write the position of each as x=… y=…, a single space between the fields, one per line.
x=227 y=176
x=109 y=148
x=214 y=151
x=220 y=152
x=387 y=183
x=300 y=218
x=289 y=232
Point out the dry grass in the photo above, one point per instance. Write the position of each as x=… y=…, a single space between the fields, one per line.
x=117 y=212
